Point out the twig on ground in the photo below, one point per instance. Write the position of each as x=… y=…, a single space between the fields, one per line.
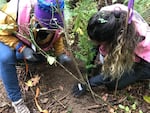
x=90 y=88
x=94 y=95
x=57 y=100
x=45 y=93
x=4 y=108
x=50 y=105
x=115 y=102
x=92 y=107
x=105 y=102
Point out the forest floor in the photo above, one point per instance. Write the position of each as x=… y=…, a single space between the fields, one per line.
x=55 y=94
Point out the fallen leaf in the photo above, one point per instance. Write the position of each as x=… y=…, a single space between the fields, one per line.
x=111 y=110
x=147 y=99
x=133 y=106
x=36 y=101
x=140 y=111
x=105 y=97
x=121 y=106
x=79 y=30
x=127 y=109
x=35 y=80
x=51 y=60
x=45 y=111
x=29 y=83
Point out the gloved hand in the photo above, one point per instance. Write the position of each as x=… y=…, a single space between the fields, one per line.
x=27 y=52
x=79 y=89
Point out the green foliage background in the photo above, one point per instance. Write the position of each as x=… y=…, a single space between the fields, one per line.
x=82 y=12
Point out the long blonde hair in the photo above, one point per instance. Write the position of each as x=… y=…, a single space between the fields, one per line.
x=121 y=40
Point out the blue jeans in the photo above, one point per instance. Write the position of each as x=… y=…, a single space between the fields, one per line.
x=8 y=73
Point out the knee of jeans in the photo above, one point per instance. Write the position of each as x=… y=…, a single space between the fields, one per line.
x=7 y=57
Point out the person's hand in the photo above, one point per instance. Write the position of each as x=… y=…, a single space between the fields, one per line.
x=79 y=89
x=29 y=54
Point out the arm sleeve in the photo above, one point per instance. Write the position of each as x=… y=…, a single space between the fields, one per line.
x=9 y=40
x=7 y=28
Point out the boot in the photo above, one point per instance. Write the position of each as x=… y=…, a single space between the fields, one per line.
x=20 y=106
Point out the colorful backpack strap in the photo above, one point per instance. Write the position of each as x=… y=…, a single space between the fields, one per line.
x=23 y=19
x=55 y=38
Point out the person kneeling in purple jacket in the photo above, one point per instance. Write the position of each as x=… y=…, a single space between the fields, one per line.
x=40 y=18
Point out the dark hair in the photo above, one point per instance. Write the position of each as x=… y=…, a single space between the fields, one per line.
x=104 y=26
x=121 y=39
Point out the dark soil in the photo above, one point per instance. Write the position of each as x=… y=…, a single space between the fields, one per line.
x=55 y=95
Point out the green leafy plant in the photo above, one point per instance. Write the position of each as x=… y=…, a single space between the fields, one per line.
x=129 y=109
x=81 y=14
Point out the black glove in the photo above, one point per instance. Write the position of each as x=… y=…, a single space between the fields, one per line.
x=29 y=54
x=32 y=56
x=79 y=89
